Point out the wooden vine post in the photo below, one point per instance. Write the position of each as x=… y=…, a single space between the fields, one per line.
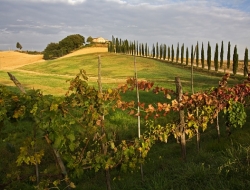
x=55 y=151
x=20 y=87
x=16 y=82
x=138 y=109
x=181 y=127
x=192 y=89
x=104 y=145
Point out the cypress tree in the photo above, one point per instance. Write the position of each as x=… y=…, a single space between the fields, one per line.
x=168 y=53
x=120 y=46
x=109 y=47
x=187 y=56
x=164 y=51
x=146 y=50
x=123 y=46
x=221 y=55
x=182 y=53
x=157 y=51
x=192 y=55
x=172 y=55
x=153 y=49
x=130 y=48
x=113 y=40
x=137 y=49
x=235 y=60
x=197 y=55
x=202 y=56
x=246 y=62
x=126 y=46
x=134 y=48
x=161 y=51
x=208 y=56
x=177 y=53
x=216 y=53
x=228 y=55
x=116 y=45
x=142 y=48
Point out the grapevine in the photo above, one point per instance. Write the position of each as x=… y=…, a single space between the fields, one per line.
x=71 y=127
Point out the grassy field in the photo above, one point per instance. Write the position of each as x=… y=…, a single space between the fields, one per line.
x=51 y=76
x=218 y=165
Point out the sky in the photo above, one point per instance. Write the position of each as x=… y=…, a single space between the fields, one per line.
x=36 y=23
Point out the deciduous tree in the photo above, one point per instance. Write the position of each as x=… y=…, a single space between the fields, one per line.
x=19 y=46
x=89 y=39
x=52 y=51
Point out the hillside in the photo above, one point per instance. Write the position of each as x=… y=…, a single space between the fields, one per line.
x=13 y=59
x=87 y=51
x=10 y=60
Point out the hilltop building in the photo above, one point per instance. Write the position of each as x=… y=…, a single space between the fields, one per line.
x=100 y=40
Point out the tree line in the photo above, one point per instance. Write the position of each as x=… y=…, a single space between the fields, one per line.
x=164 y=52
x=63 y=47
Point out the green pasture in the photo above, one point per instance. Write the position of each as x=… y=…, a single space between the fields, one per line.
x=50 y=76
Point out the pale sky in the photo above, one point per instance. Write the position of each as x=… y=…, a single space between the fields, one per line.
x=36 y=23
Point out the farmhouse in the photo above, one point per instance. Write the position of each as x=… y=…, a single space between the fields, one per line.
x=100 y=40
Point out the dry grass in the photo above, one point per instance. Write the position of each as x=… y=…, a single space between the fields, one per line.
x=10 y=60
x=87 y=51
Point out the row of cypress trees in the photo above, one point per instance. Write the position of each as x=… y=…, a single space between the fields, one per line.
x=163 y=52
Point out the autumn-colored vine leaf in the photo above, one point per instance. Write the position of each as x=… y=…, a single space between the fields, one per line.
x=168 y=96
x=131 y=112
